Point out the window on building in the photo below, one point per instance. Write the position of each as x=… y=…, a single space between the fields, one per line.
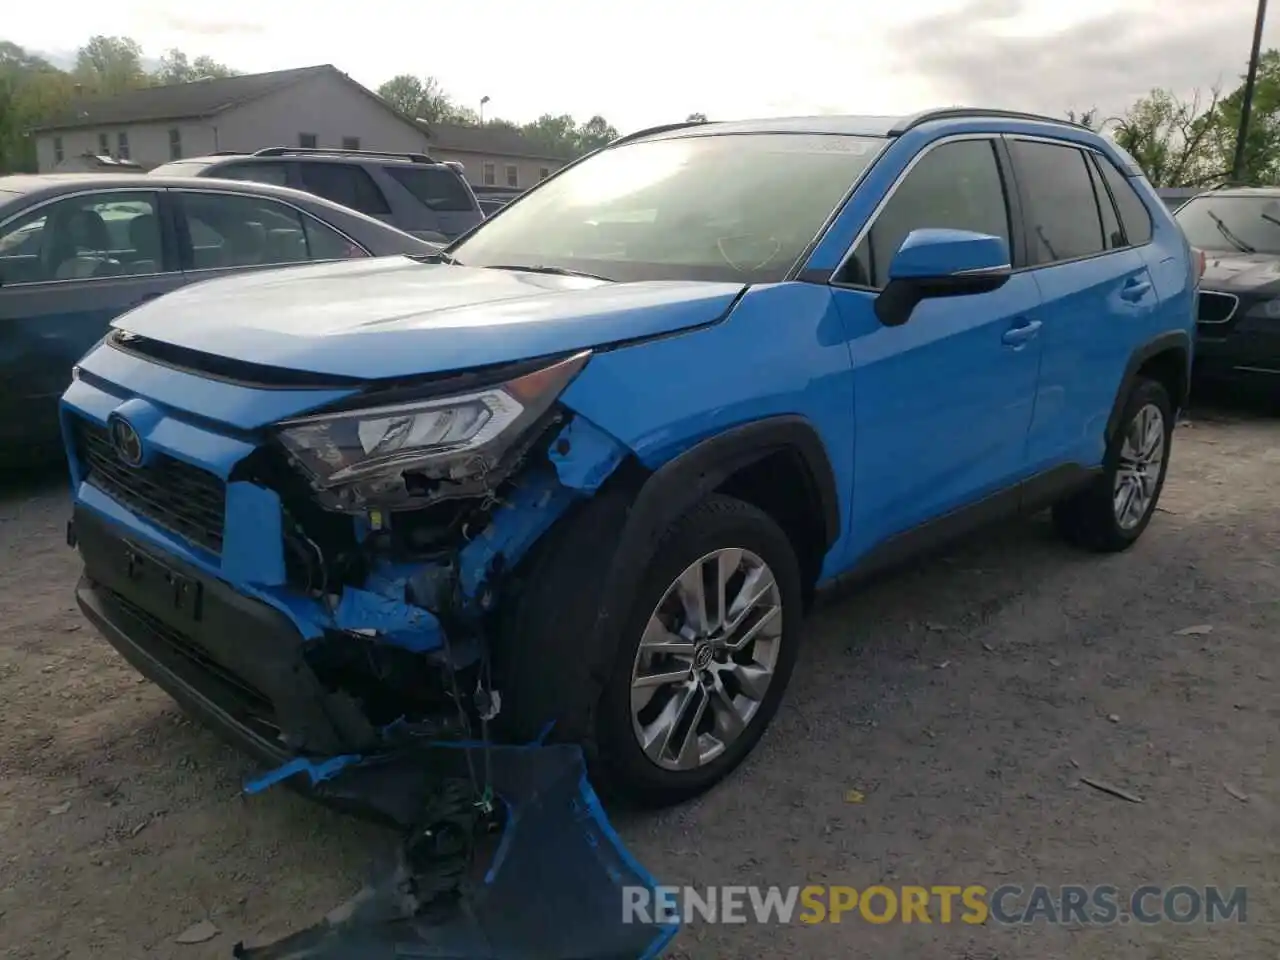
x=122 y=145
x=955 y=186
x=343 y=183
x=350 y=143
x=104 y=145
x=513 y=175
x=489 y=175
x=175 y=144
x=543 y=173
x=57 y=149
x=307 y=141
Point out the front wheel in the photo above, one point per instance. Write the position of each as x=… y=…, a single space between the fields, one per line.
x=1110 y=515
x=705 y=654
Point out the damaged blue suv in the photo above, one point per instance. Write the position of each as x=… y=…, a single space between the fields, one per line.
x=580 y=474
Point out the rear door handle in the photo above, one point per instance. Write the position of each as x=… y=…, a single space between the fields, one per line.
x=1135 y=289
x=1017 y=336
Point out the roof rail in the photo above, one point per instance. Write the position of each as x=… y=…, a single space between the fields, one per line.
x=961 y=113
x=660 y=128
x=335 y=152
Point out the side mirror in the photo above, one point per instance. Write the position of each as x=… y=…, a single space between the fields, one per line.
x=941 y=263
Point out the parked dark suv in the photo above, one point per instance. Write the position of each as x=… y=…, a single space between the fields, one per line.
x=421 y=196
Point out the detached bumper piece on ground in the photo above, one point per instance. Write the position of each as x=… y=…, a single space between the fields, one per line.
x=525 y=867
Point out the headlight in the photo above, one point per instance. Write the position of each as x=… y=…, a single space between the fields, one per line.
x=450 y=439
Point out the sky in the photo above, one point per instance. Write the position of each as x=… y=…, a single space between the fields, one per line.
x=642 y=63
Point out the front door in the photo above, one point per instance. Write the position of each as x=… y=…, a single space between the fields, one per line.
x=67 y=269
x=942 y=403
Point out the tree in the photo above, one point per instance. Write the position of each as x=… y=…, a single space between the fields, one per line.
x=1172 y=139
x=32 y=92
x=594 y=134
x=421 y=99
x=110 y=65
x=176 y=68
x=1262 y=145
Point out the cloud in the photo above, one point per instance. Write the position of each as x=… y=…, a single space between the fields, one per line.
x=977 y=56
x=209 y=28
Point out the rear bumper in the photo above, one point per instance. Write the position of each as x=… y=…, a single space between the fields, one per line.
x=233 y=662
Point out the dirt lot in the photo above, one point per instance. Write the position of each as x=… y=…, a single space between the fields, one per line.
x=964 y=700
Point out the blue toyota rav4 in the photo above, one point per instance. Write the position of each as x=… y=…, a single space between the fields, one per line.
x=585 y=468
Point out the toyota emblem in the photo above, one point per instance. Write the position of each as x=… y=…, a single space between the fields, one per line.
x=127 y=443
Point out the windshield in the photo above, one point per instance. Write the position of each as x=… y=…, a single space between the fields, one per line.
x=181 y=168
x=739 y=207
x=1241 y=224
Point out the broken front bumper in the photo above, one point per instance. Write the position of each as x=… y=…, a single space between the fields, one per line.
x=234 y=662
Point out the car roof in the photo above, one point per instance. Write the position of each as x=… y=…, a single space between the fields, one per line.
x=309 y=155
x=963 y=119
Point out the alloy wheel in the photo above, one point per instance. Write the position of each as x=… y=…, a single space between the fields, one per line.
x=1138 y=472
x=706 y=659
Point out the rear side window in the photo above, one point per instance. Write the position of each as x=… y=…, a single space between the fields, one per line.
x=1063 y=220
x=1133 y=212
x=1111 y=231
x=954 y=186
x=437 y=188
x=346 y=184
x=276 y=173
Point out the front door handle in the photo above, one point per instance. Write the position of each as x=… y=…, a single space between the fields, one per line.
x=1019 y=335
x=1135 y=290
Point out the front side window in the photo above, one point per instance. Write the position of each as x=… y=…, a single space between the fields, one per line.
x=346 y=184
x=732 y=208
x=1063 y=220
x=954 y=186
x=226 y=230
x=1134 y=215
x=84 y=238
x=1239 y=224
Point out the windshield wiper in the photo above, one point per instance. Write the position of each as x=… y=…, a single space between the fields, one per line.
x=439 y=257
x=554 y=271
x=1270 y=218
x=1231 y=237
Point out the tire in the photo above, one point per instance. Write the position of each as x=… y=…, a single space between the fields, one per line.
x=547 y=675
x=1093 y=518
x=716 y=524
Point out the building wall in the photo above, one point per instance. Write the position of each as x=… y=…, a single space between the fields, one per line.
x=148 y=142
x=528 y=172
x=326 y=107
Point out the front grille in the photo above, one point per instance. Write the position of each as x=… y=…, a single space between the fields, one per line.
x=181 y=498
x=1216 y=307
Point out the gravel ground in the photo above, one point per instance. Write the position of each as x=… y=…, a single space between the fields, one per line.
x=962 y=700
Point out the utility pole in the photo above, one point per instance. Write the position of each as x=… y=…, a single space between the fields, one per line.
x=1246 y=100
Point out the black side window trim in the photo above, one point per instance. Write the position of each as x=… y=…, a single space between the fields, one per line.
x=1008 y=184
x=1102 y=160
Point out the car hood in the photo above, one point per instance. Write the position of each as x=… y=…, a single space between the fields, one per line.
x=396 y=317
x=1242 y=272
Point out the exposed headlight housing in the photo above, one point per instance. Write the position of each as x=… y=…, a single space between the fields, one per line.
x=437 y=448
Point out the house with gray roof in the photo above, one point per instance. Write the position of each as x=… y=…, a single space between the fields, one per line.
x=317 y=106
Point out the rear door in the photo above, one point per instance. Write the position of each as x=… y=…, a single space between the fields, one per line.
x=67 y=269
x=1097 y=298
